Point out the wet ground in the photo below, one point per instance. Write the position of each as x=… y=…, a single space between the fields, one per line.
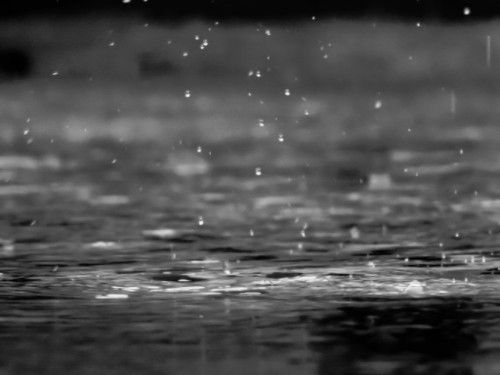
x=160 y=227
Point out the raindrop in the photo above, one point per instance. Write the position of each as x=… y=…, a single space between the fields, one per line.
x=227 y=268
x=354 y=233
x=488 y=51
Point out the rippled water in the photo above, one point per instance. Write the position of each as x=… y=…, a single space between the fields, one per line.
x=304 y=244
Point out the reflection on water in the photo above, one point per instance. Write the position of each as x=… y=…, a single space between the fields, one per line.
x=349 y=252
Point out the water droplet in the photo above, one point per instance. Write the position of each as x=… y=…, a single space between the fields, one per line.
x=354 y=233
x=227 y=268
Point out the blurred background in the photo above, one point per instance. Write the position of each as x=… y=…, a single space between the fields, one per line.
x=108 y=51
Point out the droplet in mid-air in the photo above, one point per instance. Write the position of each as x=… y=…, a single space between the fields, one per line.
x=354 y=233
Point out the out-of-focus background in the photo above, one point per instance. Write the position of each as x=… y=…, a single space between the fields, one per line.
x=128 y=59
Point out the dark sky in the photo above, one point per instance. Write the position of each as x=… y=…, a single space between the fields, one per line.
x=446 y=10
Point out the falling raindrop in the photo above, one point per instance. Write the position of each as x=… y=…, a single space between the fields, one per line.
x=453 y=102
x=488 y=51
x=355 y=233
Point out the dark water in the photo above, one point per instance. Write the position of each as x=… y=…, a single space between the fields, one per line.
x=307 y=245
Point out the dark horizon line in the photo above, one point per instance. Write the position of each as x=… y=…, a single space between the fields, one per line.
x=256 y=10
